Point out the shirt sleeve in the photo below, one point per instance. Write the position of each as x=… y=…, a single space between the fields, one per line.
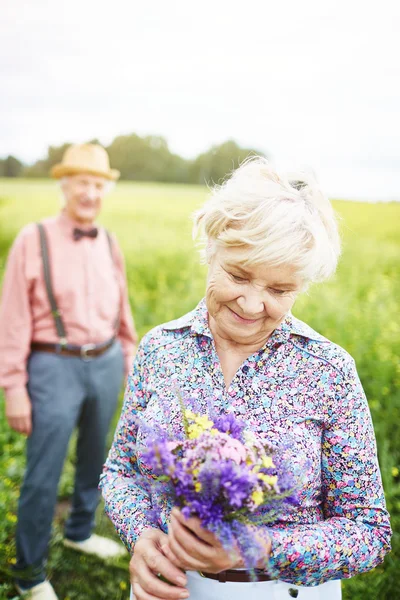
x=15 y=321
x=126 y=332
x=127 y=503
x=355 y=535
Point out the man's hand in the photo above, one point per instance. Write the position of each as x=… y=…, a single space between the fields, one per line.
x=148 y=562
x=19 y=413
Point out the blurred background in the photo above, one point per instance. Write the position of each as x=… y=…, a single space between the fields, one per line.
x=301 y=82
x=179 y=93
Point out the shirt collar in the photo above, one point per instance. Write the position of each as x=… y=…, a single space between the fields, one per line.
x=197 y=321
x=68 y=225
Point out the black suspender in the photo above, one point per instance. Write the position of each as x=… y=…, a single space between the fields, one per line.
x=44 y=246
x=49 y=287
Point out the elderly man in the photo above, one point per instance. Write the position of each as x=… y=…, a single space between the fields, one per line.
x=66 y=340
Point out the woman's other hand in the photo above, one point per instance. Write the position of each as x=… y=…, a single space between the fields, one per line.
x=149 y=561
x=196 y=548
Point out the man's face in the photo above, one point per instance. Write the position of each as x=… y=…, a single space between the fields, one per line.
x=83 y=196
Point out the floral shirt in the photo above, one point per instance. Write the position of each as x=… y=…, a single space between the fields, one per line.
x=299 y=386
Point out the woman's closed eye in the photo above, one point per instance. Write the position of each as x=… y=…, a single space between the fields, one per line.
x=241 y=279
x=238 y=278
x=278 y=292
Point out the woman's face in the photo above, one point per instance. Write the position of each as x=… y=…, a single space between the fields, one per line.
x=246 y=304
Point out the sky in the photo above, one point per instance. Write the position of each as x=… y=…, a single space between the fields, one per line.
x=309 y=83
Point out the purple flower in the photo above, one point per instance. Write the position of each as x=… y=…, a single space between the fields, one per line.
x=237 y=482
x=230 y=424
x=159 y=458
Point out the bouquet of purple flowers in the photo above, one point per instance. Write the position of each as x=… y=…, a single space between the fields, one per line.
x=221 y=473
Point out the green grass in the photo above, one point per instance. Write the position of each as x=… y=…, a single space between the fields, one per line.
x=357 y=309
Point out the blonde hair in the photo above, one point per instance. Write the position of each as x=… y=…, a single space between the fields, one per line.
x=275 y=219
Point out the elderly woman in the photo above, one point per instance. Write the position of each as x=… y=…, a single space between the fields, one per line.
x=266 y=239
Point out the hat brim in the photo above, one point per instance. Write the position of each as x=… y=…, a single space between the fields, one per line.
x=61 y=170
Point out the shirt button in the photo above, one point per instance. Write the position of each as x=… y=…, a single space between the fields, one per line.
x=245 y=369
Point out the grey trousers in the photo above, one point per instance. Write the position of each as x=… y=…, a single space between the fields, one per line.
x=66 y=392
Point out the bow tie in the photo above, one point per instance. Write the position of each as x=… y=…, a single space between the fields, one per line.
x=80 y=233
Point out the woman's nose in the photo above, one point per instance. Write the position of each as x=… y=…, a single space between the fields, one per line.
x=251 y=304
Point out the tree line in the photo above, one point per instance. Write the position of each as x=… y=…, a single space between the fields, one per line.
x=145 y=158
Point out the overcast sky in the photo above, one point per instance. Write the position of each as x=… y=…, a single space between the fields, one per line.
x=309 y=82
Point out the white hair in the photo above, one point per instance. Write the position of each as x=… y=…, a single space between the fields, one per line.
x=275 y=219
x=110 y=185
x=60 y=186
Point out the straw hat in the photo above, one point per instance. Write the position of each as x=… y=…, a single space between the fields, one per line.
x=85 y=158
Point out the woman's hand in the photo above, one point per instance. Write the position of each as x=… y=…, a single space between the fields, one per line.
x=147 y=562
x=197 y=549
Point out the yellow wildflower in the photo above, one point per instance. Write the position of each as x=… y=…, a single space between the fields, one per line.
x=395 y=471
x=195 y=431
x=197 y=486
x=204 y=422
x=269 y=479
x=201 y=424
x=257 y=497
x=267 y=462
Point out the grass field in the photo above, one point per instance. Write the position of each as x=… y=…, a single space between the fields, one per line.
x=358 y=309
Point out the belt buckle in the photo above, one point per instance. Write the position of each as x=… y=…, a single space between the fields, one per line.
x=84 y=351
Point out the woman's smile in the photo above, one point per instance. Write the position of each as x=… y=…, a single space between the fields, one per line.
x=240 y=319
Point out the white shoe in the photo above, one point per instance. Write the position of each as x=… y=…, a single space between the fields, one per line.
x=42 y=591
x=98 y=546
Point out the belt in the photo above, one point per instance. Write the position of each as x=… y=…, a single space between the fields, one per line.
x=85 y=352
x=237 y=576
